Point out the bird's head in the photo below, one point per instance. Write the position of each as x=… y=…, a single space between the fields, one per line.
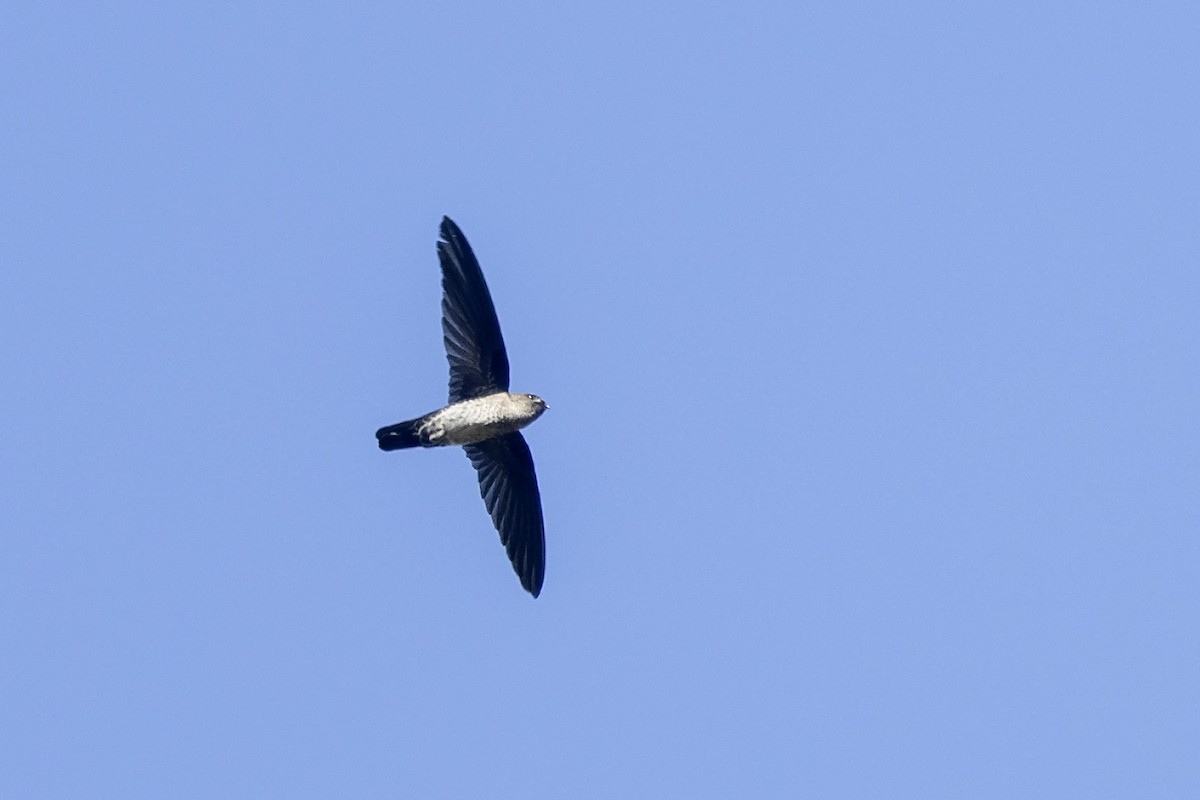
x=534 y=404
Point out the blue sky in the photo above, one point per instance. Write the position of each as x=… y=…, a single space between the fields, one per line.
x=869 y=333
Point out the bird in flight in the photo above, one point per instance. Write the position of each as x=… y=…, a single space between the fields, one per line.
x=483 y=416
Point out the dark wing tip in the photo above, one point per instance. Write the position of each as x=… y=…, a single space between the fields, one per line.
x=449 y=229
x=528 y=560
x=532 y=577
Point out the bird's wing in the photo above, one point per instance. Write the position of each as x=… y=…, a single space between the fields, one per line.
x=474 y=346
x=510 y=492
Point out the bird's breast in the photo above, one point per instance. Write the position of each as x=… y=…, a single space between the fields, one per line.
x=475 y=420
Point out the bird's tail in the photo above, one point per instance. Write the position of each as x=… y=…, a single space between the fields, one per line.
x=399 y=436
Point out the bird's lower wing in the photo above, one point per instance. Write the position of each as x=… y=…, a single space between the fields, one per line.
x=508 y=484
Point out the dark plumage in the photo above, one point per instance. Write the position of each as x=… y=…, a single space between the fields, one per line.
x=482 y=415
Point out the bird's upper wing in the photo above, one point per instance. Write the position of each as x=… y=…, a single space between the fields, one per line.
x=510 y=492
x=474 y=346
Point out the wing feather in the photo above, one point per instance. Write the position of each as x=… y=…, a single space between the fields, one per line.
x=508 y=485
x=470 y=330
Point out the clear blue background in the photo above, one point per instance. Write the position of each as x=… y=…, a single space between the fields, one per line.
x=870 y=333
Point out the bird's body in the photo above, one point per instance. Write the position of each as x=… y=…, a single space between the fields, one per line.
x=483 y=416
x=466 y=422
